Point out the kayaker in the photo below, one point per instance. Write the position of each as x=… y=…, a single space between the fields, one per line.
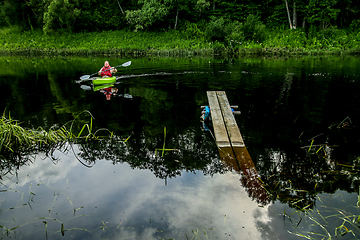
x=107 y=70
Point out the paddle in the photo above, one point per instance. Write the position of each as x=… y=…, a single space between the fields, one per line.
x=89 y=76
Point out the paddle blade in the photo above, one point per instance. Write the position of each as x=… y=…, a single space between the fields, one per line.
x=126 y=64
x=85 y=77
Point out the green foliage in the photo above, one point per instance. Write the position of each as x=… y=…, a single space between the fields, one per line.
x=235 y=33
x=151 y=11
x=98 y=43
x=222 y=35
x=321 y=11
x=75 y=15
x=35 y=13
x=59 y=13
x=201 y=6
x=287 y=39
x=7 y=14
x=192 y=31
x=274 y=15
x=98 y=15
x=355 y=25
x=216 y=30
x=102 y=17
x=253 y=29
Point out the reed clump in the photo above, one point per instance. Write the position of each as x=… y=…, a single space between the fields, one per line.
x=14 y=139
x=17 y=142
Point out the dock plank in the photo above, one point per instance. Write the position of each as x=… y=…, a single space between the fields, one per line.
x=233 y=131
x=220 y=132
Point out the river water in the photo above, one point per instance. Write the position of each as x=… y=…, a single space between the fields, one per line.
x=299 y=120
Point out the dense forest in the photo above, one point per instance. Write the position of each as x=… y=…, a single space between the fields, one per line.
x=90 y=15
x=331 y=24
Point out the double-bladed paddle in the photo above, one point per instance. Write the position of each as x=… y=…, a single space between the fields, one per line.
x=89 y=76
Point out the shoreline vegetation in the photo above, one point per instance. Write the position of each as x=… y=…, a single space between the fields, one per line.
x=14 y=41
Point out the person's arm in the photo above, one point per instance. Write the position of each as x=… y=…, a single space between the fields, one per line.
x=113 y=70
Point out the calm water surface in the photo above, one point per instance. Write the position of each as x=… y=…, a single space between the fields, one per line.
x=299 y=119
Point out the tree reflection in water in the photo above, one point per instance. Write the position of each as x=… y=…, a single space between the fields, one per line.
x=190 y=157
x=325 y=164
x=292 y=176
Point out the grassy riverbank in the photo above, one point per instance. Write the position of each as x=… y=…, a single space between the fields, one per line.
x=13 y=41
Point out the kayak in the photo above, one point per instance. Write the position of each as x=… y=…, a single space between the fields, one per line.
x=105 y=80
x=99 y=87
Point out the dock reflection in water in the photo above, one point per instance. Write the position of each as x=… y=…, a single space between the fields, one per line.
x=232 y=147
x=239 y=159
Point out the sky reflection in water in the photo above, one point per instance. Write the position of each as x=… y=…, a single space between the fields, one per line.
x=117 y=201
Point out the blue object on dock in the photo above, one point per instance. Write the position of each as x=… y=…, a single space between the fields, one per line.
x=207 y=113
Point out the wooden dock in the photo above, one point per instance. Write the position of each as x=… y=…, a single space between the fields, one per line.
x=231 y=146
x=226 y=130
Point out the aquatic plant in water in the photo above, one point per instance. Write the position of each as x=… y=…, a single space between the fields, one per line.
x=329 y=222
x=16 y=139
x=163 y=149
x=17 y=142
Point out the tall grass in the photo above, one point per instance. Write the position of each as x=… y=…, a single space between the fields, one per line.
x=110 y=42
x=180 y=43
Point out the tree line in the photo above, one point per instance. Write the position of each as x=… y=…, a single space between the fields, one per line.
x=150 y=15
x=220 y=24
